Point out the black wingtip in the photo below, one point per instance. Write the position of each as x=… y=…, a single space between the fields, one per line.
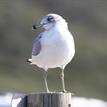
x=34 y=27
x=27 y=60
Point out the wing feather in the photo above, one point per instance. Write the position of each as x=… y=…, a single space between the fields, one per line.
x=37 y=46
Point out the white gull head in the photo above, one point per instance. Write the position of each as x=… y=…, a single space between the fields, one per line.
x=49 y=21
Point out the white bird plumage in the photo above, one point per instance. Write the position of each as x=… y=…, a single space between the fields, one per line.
x=54 y=47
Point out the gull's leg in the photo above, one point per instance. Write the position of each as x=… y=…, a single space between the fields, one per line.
x=45 y=80
x=62 y=79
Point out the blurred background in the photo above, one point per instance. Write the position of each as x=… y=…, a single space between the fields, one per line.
x=85 y=76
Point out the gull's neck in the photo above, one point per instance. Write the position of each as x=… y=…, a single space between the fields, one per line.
x=61 y=26
x=59 y=29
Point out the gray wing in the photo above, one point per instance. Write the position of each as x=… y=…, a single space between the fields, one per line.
x=37 y=45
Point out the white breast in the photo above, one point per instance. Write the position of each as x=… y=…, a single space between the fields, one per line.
x=57 y=49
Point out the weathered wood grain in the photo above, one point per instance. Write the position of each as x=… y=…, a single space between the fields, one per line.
x=49 y=100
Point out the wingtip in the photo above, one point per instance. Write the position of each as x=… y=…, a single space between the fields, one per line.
x=34 y=27
x=27 y=60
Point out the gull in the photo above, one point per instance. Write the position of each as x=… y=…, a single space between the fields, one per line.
x=54 y=47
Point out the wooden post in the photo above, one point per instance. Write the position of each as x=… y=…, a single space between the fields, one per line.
x=49 y=100
x=57 y=99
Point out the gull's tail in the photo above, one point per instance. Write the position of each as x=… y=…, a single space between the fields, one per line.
x=29 y=61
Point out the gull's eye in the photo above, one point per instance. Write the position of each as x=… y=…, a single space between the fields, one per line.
x=49 y=19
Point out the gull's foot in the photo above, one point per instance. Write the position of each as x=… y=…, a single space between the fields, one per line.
x=64 y=91
x=49 y=92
